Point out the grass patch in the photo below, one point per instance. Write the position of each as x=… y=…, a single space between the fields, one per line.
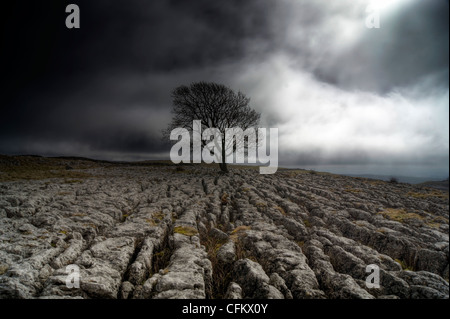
x=359 y=223
x=241 y=252
x=156 y=219
x=261 y=207
x=376 y=182
x=433 y=225
x=439 y=220
x=159 y=216
x=150 y=221
x=185 y=230
x=42 y=173
x=161 y=258
x=400 y=215
x=79 y=214
x=240 y=229
x=36 y=168
x=429 y=194
x=236 y=236
x=435 y=222
x=3 y=269
x=291 y=174
x=92 y=225
x=281 y=210
x=224 y=200
x=221 y=275
x=352 y=190
x=404 y=265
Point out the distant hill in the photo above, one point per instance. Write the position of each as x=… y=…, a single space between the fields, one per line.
x=401 y=179
x=442 y=185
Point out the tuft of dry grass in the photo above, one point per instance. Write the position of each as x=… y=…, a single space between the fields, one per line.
x=281 y=210
x=307 y=223
x=151 y=222
x=158 y=215
x=43 y=173
x=404 y=265
x=352 y=190
x=400 y=215
x=240 y=229
x=37 y=168
x=375 y=182
x=79 y=214
x=224 y=199
x=428 y=194
x=64 y=193
x=185 y=230
x=161 y=258
x=3 y=269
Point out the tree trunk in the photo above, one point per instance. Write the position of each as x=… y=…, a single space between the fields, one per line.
x=223 y=165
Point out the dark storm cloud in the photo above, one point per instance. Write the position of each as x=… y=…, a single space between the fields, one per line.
x=107 y=85
x=143 y=36
x=339 y=93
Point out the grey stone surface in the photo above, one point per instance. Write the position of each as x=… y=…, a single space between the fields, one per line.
x=227 y=253
x=234 y=291
x=255 y=282
x=150 y=231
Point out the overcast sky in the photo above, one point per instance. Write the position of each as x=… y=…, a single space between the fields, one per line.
x=344 y=97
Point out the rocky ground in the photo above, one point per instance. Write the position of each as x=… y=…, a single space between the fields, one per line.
x=165 y=231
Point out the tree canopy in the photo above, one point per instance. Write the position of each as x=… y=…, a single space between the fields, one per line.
x=216 y=106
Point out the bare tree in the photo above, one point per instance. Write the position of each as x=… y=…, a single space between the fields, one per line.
x=216 y=106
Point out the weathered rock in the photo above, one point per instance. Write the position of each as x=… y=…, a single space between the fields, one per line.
x=71 y=253
x=254 y=281
x=126 y=289
x=425 y=284
x=218 y=234
x=101 y=281
x=227 y=252
x=152 y=232
x=140 y=268
x=432 y=261
x=279 y=283
x=234 y=291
